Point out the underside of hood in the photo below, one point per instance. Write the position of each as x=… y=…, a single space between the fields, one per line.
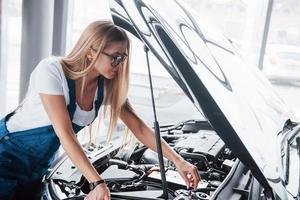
x=236 y=99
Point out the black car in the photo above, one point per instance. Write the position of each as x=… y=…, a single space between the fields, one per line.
x=246 y=148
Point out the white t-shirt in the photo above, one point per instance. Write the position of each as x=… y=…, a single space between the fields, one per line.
x=47 y=78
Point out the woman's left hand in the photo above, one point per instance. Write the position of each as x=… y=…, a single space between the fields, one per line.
x=188 y=172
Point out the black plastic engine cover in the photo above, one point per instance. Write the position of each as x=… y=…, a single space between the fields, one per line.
x=113 y=173
x=204 y=142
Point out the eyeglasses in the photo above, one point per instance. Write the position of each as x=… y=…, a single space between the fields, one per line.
x=116 y=59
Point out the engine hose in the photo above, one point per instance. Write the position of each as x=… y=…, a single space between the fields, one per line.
x=121 y=164
x=185 y=154
x=204 y=174
x=157 y=185
x=208 y=189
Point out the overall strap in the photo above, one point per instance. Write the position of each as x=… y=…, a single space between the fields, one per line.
x=72 y=97
x=99 y=100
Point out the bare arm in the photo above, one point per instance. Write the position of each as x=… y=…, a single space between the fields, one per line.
x=146 y=135
x=57 y=111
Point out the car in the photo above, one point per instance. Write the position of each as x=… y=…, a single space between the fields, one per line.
x=246 y=147
x=282 y=60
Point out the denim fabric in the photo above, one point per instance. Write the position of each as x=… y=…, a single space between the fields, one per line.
x=26 y=155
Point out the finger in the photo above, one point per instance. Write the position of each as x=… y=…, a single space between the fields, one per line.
x=196 y=182
x=106 y=197
x=191 y=186
x=193 y=181
x=187 y=181
x=195 y=174
x=189 y=176
x=185 y=178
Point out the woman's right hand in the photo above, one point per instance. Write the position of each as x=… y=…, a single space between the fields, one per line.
x=100 y=192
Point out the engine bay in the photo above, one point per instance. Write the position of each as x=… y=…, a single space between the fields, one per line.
x=133 y=173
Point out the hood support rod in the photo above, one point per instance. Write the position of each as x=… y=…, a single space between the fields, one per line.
x=157 y=133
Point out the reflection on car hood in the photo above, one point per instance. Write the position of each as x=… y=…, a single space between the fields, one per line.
x=236 y=99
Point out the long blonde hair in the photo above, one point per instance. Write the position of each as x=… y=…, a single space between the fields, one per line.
x=76 y=65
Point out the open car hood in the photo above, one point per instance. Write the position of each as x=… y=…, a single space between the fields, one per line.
x=237 y=100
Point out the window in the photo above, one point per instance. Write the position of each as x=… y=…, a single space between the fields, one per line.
x=13 y=52
x=240 y=21
x=83 y=13
x=282 y=57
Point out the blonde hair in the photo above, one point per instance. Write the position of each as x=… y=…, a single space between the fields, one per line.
x=76 y=65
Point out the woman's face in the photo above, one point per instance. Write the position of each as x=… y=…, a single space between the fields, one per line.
x=110 y=59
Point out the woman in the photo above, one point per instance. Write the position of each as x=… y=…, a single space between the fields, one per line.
x=64 y=95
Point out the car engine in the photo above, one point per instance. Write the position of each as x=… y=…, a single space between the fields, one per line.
x=133 y=173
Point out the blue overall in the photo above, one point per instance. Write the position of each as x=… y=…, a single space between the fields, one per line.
x=26 y=155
